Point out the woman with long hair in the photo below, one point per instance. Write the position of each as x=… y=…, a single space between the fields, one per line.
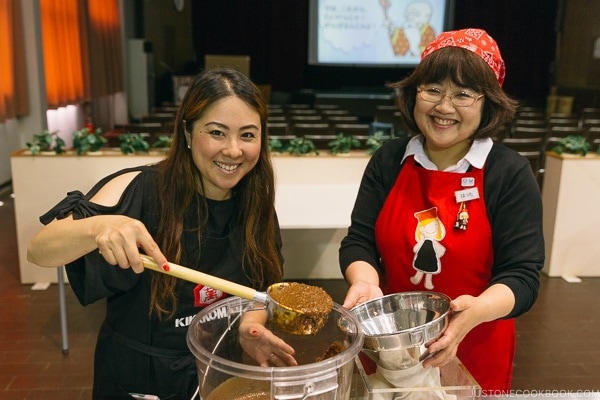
x=209 y=205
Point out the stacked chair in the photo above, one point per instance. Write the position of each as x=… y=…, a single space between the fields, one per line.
x=322 y=122
x=533 y=133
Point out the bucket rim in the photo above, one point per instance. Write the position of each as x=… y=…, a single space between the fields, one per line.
x=318 y=368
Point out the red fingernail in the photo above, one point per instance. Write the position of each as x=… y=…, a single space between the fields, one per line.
x=165 y=267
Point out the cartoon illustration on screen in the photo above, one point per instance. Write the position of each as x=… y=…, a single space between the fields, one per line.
x=415 y=33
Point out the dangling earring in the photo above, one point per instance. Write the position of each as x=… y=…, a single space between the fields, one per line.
x=187 y=135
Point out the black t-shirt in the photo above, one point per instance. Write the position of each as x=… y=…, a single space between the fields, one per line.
x=137 y=352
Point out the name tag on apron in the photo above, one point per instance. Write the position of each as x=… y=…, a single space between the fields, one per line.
x=466 y=194
x=467 y=181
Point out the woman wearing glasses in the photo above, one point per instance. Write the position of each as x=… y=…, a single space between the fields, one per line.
x=450 y=211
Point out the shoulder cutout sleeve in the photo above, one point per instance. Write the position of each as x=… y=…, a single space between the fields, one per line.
x=74 y=202
x=90 y=276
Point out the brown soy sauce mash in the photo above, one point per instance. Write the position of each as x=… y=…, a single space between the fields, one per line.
x=311 y=304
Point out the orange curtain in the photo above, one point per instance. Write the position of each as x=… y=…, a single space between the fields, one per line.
x=62 y=47
x=82 y=50
x=104 y=37
x=14 y=100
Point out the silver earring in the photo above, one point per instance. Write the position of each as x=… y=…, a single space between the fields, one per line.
x=186 y=133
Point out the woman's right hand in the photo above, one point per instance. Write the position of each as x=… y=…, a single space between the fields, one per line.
x=359 y=292
x=119 y=239
x=364 y=284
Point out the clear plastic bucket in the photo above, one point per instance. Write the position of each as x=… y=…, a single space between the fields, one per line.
x=225 y=370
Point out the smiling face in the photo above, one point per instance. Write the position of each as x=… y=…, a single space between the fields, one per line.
x=225 y=144
x=448 y=128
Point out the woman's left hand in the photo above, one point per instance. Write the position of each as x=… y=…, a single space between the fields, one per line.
x=464 y=318
x=263 y=346
x=467 y=312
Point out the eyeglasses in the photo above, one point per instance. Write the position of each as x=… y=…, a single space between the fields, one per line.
x=458 y=99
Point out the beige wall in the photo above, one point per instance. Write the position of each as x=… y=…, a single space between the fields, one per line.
x=570 y=195
x=170 y=33
x=576 y=67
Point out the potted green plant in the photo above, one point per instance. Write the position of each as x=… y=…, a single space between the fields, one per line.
x=572 y=144
x=276 y=145
x=163 y=142
x=132 y=143
x=375 y=141
x=300 y=146
x=46 y=142
x=342 y=144
x=86 y=142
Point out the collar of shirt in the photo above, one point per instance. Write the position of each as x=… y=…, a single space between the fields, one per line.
x=476 y=155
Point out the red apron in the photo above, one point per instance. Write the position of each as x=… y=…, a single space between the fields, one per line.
x=421 y=249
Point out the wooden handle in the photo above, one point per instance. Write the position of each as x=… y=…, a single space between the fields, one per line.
x=191 y=275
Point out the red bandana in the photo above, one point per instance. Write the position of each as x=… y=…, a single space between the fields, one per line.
x=476 y=40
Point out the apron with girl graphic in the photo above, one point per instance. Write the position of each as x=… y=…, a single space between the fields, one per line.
x=433 y=233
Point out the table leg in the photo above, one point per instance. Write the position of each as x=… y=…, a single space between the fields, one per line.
x=63 y=310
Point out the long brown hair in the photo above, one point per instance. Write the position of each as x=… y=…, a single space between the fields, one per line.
x=180 y=180
x=464 y=68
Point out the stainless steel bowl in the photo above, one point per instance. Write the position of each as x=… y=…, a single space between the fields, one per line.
x=398 y=327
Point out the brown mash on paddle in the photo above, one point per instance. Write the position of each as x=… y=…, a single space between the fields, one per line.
x=303 y=309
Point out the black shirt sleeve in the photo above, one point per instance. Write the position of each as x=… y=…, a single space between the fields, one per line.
x=377 y=181
x=90 y=276
x=514 y=206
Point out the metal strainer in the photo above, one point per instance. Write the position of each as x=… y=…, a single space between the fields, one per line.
x=398 y=326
